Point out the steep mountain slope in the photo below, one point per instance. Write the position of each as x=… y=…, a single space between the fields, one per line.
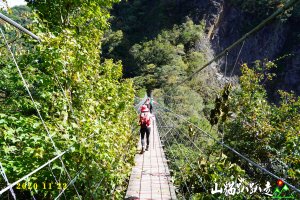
x=226 y=21
x=277 y=39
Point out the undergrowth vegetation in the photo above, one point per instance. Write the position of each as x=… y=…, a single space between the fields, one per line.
x=261 y=131
x=84 y=102
x=75 y=76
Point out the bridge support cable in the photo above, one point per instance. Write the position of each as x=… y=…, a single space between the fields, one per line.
x=165 y=168
x=56 y=181
x=70 y=183
x=18 y=36
x=262 y=169
x=185 y=157
x=2 y=171
x=237 y=58
x=173 y=156
x=123 y=158
x=150 y=177
x=31 y=173
x=288 y=5
x=186 y=136
x=189 y=139
x=18 y=26
x=188 y=160
x=36 y=108
x=31 y=192
x=159 y=130
x=192 y=142
x=98 y=184
x=235 y=63
x=137 y=107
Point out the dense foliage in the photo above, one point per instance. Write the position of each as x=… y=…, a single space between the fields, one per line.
x=140 y=21
x=267 y=133
x=197 y=161
x=87 y=106
x=169 y=58
x=162 y=60
x=85 y=103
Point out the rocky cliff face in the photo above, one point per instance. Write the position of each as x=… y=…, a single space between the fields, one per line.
x=291 y=75
x=225 y=24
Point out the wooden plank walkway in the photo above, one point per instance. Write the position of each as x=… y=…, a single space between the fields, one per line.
x=150 y=178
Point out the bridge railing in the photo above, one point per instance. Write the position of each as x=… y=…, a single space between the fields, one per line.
x=200 y=167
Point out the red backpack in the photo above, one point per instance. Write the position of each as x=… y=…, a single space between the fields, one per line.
x=144 y=120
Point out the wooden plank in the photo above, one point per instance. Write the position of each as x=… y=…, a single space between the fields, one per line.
x=150 y=177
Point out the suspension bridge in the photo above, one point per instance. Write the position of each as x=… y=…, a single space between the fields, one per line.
x=168 y=137
x=150 y=177
x=155 y=172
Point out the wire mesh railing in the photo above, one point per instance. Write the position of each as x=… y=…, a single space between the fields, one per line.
x=57 y=176
x=201 y=168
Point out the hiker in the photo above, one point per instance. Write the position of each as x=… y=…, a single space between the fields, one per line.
x=145 y=123
x=151 y=104
x=147 y=103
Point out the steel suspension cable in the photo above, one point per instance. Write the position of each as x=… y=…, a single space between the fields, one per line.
x=31 y=192
x=195 y=144
x=158 y=166
x=18 y=26
x=174 y=157
x=236 y=152
x=12 y=41
x=56 y=181
x=2 y=171
x=288 y=5
x=165 y=164
x=238 y=56
x=187 y=160
x=123 y=158
x=141 y=102
x=226 y=64
x=177 y=167
x=200 y=178
x=31 y=173
x=36 y=108
x=70 y=183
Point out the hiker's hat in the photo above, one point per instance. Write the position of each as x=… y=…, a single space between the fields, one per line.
x=144 y=108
